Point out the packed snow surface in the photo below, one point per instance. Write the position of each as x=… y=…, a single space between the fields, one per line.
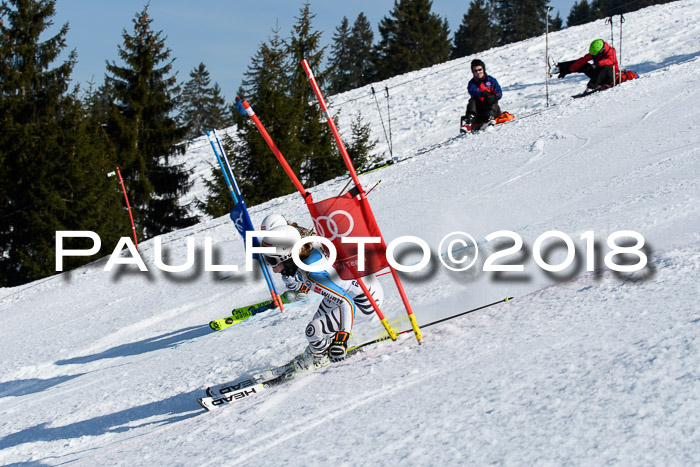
x=584 y=366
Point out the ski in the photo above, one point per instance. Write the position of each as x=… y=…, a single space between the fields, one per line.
x=247 y=381
x=247 y=387
x=584 y=94
x=588 y=93
x=435 y=146
x=382 y=165
x=243 y=313
x=210 y=403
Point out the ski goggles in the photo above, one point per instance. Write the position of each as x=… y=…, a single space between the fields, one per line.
x=273 y=260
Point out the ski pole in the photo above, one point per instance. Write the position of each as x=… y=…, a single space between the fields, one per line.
x=381 y=119
x=612 y=37
x=546 y=59
x=388 y=119
x=359 y=170
x=375 y=186
x=427 y=325
x=619 y=67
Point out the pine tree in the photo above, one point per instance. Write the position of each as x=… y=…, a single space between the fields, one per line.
x=339 y=65
x=218 y=201
x=266 y=87
x=556 y=23
x=361 y=144
x=145 y=134
x=319 y=153
x=520 y=19
x=580 y=13
x=350 y=65
x=362 y=51
x=96 y=202
x=276 y=86
x=411 y=38
x=476 y=33
x=600 y=9
x=53 y=178
x=203 y=107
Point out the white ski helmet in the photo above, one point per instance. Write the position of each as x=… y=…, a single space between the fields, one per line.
x=283 y=244
x=272 y=220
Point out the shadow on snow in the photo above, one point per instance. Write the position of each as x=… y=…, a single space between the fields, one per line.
x=164 y=341
x=175 y=409
x=30 y=386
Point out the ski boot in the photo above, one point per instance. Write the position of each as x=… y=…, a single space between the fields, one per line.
x=491 y=121
x=467 y=123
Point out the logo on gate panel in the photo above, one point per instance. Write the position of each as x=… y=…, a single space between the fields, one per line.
x=337 y=224
x=238 y=222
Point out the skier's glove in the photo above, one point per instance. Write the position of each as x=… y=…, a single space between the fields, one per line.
x=303 y=292
x=338 y=347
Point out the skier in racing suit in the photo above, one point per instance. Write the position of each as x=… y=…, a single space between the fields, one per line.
x=343 y=300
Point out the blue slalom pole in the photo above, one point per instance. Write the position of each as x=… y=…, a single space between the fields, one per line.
x=228 y=166
x=239 y=214
x=244 y=210
x=223 y=169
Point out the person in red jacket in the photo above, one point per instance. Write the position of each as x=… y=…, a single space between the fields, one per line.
x=602 y=73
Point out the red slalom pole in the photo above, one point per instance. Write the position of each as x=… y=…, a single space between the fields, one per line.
x=280 y=158
x=363 y=197
x=308 y=198
x=128 y=207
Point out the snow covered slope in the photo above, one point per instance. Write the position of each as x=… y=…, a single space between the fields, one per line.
x=103 y=368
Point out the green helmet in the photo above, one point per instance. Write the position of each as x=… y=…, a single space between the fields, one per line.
x=596 y=46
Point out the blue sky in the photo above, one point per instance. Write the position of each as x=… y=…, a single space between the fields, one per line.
x=222 y=34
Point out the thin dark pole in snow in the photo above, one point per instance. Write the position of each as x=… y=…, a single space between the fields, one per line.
x=546 y=59
x=612 y=37
x=381 y=119
x=619 y=66
x=388 y=118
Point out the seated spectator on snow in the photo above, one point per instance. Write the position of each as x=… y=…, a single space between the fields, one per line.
x=602 y=72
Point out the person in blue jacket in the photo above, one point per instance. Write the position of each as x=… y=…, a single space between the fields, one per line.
x=484 y=92
x=343 y=300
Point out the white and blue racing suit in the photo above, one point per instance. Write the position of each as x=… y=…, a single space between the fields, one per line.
x=342 y=300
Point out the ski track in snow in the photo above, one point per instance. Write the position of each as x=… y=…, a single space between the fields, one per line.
x=583 y=367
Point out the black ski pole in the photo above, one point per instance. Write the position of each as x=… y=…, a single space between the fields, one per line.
x=546 y=59
x=388 y=113
x=381 y=119
x=619 y=67
x=432 y=323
